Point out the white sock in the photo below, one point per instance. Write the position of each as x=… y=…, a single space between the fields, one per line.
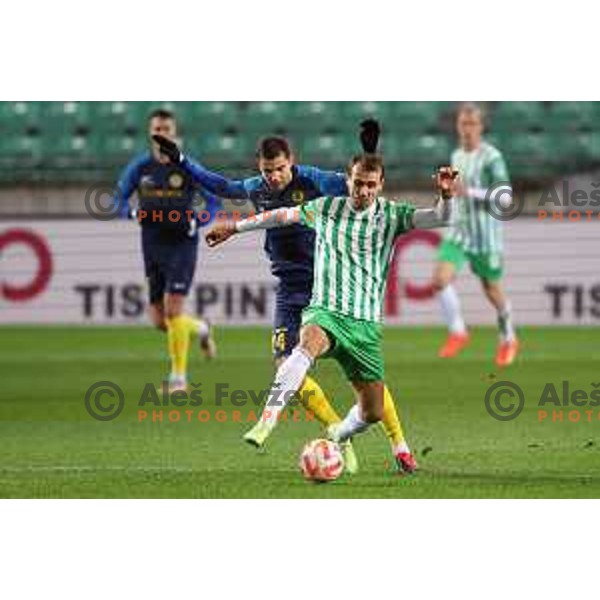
x=450 y=304
x=351 y=425
x=401 y=448
x=507 y=331
x=203 y=328
x=288 y=380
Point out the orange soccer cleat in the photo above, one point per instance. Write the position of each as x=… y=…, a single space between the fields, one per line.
x=454 y=344
x=406 y=463
x=507 y=352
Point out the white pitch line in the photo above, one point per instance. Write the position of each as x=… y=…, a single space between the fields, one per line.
x=108 y=468
x=90 y=469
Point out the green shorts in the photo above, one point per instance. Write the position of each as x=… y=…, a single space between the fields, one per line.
x=486 y=266
x=355 y=344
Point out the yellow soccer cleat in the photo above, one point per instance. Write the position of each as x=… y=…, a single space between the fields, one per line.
x=258 y=435
x=350 y=460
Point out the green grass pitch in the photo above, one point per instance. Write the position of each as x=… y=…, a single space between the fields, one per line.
x=50 y=446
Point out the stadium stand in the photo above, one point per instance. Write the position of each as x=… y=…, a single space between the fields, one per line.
x=69 y=142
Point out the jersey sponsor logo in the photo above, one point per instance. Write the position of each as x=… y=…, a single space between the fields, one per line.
x=176 y=181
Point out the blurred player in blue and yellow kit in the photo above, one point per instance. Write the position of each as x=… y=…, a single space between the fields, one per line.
x=167 y=195
x=290 y=250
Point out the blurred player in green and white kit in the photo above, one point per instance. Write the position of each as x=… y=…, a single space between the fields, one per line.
x=475 y=236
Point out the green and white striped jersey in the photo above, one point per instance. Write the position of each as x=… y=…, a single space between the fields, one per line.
x=352 y=252
x=472 y=226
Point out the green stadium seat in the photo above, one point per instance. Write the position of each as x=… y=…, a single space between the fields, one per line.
x=416 y=155
x=574 y=152
x=517 y=116
x=64 y=151
x=415 y=117
x=222 y=150
x=529 y=155
x=263 y=118
x=590 y=147
x=201 y=118
x=19 y=147
x=64 y=141
x=395 y=117
x=431 y=150
x=20 y=156
x=119 y=117
x=350 y=114
x=19 y=117
x=108 y=118
x=309 y=117
x=116 y=149
x=570 y=116
x=64 y=118
x=332 y=151
x=355 y=111
x=564 y=149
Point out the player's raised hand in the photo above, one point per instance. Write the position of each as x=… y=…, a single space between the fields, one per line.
x=446 y=180
x=220 y=233
x=370 y=130
x=168 y=148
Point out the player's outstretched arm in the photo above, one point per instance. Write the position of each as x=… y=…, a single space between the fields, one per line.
x=280 y=217
x=432 y=218
x=213 y=206
x=446 y=180
x=211 y=181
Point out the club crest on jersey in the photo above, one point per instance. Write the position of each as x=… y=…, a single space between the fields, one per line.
x=146 y=181
x=176 y=181
x=298 y=196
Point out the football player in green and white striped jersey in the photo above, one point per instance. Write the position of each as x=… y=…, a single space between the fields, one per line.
x=354 y=243
x=475 y=236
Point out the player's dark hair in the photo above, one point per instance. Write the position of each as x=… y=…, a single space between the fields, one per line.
x=161 y=113
x=272 y=147
x=371 y=163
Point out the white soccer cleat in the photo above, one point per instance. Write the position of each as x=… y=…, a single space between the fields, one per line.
x=177 y=385
x=172 y=385
x=206 y=341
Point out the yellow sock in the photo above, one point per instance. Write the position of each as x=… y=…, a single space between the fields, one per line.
x=391 y=423
x=192 y=325
x=178 y=341
x=314 y=400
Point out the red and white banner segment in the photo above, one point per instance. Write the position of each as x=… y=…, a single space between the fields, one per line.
x=79 y=271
